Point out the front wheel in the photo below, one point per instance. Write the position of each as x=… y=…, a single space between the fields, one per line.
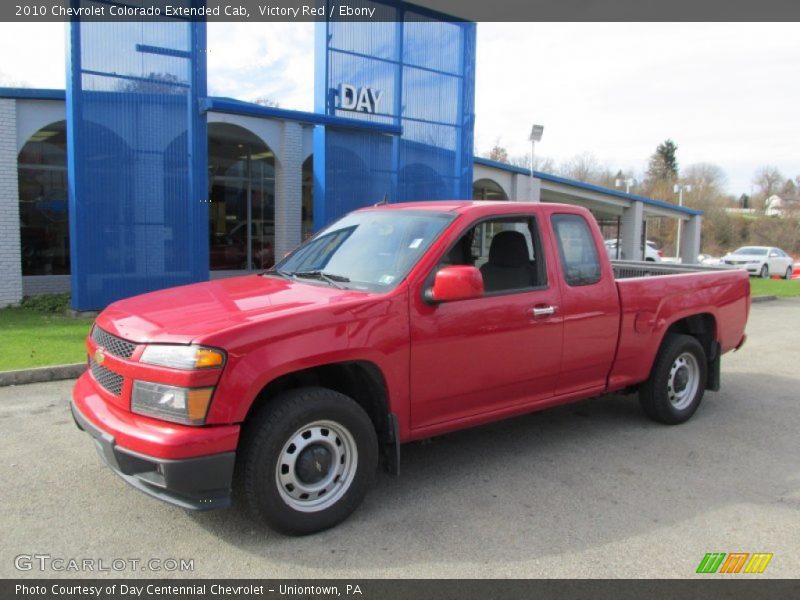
x=789 y=271
x=309 y=458
x=764 y=273
x=677 y=381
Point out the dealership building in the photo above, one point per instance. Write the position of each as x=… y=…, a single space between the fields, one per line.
x=133 y=178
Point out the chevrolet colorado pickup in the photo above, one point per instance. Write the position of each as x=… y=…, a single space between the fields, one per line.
x=393 y=324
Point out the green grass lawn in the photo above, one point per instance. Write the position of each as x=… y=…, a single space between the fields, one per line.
x=35 y=339
x=774 y=287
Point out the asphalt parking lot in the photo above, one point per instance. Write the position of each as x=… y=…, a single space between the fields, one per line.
x=588 y=490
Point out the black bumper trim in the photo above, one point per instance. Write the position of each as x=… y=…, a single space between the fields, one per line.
x=201 y=483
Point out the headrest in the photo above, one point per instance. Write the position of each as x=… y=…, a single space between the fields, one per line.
x=508 y=249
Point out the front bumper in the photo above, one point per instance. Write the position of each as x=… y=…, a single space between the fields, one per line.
x=197 y=483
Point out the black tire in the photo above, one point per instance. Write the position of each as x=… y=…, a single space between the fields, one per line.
x=267 y=442
x=789 y=271
x=764 y=272
x=661 y=396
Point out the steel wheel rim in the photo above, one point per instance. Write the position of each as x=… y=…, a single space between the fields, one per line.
x=335 y=439
x=683 y=381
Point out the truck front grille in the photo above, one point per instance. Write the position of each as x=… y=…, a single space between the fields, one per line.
x=113 y=344
x=108 y=380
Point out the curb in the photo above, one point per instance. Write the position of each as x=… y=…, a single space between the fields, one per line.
x=763 y=298
x=54 y=373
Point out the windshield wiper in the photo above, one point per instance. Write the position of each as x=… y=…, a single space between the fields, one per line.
x=331 y=278
x=284 y=274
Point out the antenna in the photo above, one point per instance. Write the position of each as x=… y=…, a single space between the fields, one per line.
x=384 y=201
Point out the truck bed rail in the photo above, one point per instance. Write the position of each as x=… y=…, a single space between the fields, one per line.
x=627 y=269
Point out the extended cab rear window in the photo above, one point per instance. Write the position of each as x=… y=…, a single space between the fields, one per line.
x=579 y=261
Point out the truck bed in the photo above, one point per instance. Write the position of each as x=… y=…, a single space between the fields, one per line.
x=652 y=295
x=626 y=269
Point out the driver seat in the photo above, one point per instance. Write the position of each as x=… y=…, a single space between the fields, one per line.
x=509 y=266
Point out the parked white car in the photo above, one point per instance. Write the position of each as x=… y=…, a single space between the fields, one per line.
x=651 y=251
x=761 y=260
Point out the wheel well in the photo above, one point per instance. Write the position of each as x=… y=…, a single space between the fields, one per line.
x=703 y=327
x=360 y=380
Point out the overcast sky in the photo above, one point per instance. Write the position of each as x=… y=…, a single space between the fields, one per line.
x=726 y=93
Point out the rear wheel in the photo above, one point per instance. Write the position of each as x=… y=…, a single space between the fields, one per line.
x=764 y=273
x=677 y=381
x=789 y=271
x=309 y=458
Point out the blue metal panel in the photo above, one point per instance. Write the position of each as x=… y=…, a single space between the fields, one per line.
x=138 y=158
x=424 y=65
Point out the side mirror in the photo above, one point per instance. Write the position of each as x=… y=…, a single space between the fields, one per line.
x=458 y=282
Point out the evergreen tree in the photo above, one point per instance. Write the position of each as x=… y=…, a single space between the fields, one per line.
x=663 y=165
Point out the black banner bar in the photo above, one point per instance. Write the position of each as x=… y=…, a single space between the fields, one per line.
x=360 y=10
x=713 y=587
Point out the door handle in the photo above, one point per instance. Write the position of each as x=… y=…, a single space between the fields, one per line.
x=543 y=311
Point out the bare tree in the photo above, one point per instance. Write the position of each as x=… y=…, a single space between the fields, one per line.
x=543 y=164
x=8 y=81
x=267 y=101
x=585 y=167
x=768 y=179
x=498 y=153
x=708 y=185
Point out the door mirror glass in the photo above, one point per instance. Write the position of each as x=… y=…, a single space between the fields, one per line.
x=458 y=282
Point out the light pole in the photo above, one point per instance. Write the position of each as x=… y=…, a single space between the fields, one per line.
x=536 y=136
x=628 y=183
x=679 y=188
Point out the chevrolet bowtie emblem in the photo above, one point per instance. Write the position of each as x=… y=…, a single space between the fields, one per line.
x=99 y=356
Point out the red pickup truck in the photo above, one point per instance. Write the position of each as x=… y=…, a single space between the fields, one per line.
x=393 y=324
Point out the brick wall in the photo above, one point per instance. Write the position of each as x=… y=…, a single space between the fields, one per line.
x=289 y=189
x=10 y=257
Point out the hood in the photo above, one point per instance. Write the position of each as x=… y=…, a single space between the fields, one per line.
x=184 y=314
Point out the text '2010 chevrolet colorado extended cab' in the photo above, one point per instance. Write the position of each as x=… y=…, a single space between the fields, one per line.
x=393 y=324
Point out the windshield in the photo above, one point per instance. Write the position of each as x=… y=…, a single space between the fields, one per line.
x=752 y=251
x=369 y=250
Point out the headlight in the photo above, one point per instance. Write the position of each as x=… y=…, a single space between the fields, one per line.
x=182 y=357
x=170 y=403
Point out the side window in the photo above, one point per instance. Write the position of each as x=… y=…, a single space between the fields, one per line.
x=576 y=247
x=507 y=251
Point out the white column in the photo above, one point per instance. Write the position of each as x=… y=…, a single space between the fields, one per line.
x=526 y=189
x=10 y=253
x=631 y=234
x=690 y=239
x=289 y=190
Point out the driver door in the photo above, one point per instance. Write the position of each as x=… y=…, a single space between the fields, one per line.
x=484 y=355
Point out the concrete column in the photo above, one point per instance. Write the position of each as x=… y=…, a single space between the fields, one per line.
x=690 y=239
x=632 y=219
x=289 y=190
x=10 y=252
x=523 y=191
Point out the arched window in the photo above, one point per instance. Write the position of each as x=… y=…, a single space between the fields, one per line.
x=44 y=221
x=488 y=189
x=241 y=190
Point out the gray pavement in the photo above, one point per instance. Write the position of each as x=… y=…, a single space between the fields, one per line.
x=591 y=489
